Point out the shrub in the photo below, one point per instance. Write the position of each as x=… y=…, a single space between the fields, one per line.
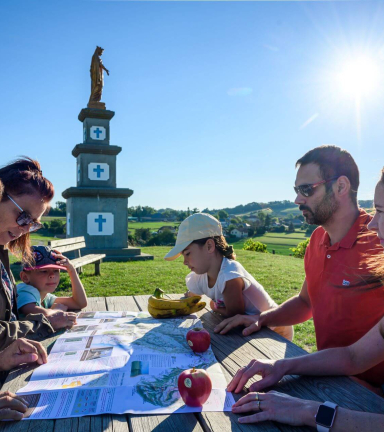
x=256 y=246
x=299 y=250
x=163 y=239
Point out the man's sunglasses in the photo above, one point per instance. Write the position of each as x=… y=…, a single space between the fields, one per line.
x=25 y=218
x=308 y=190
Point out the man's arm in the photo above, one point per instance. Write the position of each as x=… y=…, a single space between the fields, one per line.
x=293 y=311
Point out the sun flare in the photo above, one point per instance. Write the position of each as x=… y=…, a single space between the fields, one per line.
x=359 y=77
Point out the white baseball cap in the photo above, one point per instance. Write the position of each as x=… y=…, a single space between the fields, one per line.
x=195 y=227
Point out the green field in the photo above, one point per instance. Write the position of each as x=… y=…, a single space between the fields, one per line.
x=281 y=243
x=50 y=218
x=281 y=276
x=153 y=226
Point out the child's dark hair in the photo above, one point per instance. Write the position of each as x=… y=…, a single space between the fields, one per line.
x=221 y=246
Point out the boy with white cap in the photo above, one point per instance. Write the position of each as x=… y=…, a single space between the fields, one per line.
x=215 y=273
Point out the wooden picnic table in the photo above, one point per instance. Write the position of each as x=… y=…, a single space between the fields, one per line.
x=232 y=351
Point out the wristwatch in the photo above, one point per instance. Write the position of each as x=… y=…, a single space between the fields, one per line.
x=325 y=416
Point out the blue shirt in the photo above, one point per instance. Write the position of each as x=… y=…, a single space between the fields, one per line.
x=29 y=294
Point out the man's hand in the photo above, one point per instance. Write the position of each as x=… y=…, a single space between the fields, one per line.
x=251 y=323
x=12 y=407
x=271 y=370
x=59 y=319
x=22 y=351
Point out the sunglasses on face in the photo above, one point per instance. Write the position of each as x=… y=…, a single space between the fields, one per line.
x=308 y=190
x=25 y=218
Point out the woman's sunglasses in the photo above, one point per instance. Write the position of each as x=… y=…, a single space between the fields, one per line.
x=308 y=190
x=25 y=218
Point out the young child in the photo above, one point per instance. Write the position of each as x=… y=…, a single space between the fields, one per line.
x=34 y=294
x=215 y=273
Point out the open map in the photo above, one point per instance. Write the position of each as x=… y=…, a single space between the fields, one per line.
x=121 y=362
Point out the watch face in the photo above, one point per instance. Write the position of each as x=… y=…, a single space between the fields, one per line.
x=324 y=416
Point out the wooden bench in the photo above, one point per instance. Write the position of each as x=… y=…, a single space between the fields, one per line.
x=75 y=244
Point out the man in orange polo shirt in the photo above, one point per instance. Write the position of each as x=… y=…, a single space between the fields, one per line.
x=337 y=291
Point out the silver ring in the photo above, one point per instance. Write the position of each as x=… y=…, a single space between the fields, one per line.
x=257 y=396
x=258 y=405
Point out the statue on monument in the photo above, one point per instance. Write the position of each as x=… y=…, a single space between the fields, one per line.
x=97 y=79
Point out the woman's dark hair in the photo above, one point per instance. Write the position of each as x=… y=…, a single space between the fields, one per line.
x=374 y=263
x=24 y=177
x=221 y=246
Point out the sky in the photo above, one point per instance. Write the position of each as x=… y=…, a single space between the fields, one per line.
x=214 y=101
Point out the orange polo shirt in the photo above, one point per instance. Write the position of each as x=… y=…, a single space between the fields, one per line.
x=342 y=313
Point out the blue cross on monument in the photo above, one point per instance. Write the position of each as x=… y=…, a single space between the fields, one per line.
x=98 y=170
x=98 y=132
x=100 y=221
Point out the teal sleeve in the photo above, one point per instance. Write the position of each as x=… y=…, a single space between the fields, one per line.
x=25 y=297
x=49 y=300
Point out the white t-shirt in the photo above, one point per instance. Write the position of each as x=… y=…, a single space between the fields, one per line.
x=256 y=299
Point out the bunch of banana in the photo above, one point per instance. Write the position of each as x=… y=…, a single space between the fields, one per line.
x=160 y=307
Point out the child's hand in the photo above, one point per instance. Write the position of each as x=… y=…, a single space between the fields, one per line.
x=59 y=306
x=212 y=303
x=65 y=262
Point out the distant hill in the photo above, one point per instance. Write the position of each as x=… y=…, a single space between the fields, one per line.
x=278 y=207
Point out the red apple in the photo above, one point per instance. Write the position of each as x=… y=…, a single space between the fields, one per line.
x=194 y=386
x=198 y=339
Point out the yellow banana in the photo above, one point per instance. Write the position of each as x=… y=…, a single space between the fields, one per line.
x=198 y=307
x=162 y=303
x=171 y=313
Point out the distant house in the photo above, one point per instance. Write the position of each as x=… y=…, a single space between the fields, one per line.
x=253 y=219
x=224 y=223
x=297 y=222
x=172 y=229
x=239 y=232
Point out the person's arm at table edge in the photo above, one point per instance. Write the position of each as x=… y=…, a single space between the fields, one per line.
x=364 y=354
x=295 y=310
x=346 y=420
x=34 y=324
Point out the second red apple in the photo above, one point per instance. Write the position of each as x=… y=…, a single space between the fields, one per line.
x=198 y=339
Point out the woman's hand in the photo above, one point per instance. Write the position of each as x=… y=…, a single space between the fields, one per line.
x=271 y=371
x=12 y=407
x=276 y=407
x=22 y=351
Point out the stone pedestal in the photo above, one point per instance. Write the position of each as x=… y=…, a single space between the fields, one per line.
x=96 y=208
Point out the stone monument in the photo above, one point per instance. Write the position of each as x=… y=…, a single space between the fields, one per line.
x=96 y=208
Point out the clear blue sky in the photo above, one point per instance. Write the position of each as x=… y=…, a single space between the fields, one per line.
x=214 y=101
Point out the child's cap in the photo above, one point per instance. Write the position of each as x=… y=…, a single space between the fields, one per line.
x=195 y=227
x=43 y=257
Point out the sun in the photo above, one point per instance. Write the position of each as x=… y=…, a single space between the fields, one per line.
x=359 y=77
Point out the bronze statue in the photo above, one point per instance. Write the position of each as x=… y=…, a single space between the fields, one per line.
x=97 y=79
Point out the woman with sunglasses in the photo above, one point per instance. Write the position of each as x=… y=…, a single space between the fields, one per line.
x=24 y=197
x=357 y=358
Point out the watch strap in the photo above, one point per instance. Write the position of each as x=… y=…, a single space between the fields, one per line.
x=321 y=428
